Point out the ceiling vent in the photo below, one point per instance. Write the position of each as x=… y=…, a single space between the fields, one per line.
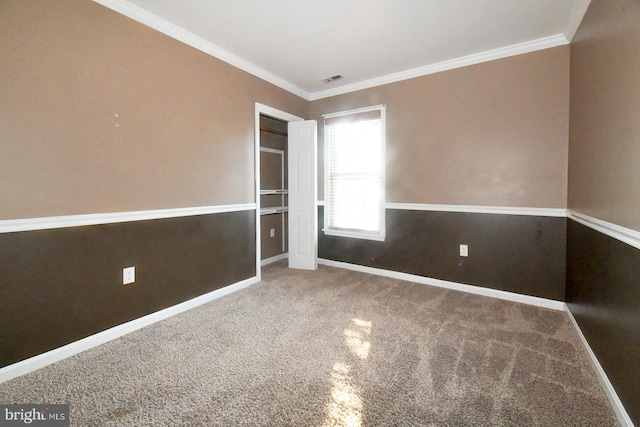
x=332 y=78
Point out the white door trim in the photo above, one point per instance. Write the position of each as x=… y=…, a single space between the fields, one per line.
x=276 y=114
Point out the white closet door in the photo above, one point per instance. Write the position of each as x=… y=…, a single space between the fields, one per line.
x=303 y=192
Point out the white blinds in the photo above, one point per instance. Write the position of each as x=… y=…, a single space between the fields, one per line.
x=355 y=181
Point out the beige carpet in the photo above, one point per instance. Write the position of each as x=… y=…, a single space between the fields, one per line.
x=333 y=348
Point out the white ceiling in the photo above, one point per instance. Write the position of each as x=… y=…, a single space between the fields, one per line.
x=297 y=43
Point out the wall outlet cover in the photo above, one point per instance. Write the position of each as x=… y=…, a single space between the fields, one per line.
x=464 y=250
x=128 y=275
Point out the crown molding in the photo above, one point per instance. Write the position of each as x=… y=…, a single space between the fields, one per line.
x=575 y=18
x=477 y=58
x=142 y=16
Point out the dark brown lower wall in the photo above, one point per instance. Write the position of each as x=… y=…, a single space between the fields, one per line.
x=603 y=294
x=515 y=253
x=58 y=286
x=272 y=246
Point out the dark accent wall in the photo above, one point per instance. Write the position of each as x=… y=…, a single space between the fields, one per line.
x=603 y=290
x=61 y=285
x=272 y=246
x=515 y=253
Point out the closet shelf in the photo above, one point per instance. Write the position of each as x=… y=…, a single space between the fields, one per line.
x=274 y=210
x=272 y=130
x=276 y=191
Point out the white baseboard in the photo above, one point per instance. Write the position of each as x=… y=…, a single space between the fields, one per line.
x=614 y=400
x=274 y=259
x=40 y=361
x=478 y=290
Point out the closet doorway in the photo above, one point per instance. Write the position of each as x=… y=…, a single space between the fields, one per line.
x=273 y=197
x=274 y=194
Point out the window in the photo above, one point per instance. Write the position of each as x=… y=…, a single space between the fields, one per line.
x=354 y=173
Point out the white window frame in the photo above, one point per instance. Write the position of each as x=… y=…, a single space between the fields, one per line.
x=358 y=234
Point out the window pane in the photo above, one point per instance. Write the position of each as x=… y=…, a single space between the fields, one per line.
x=356 y=148
x=355 y=204
x=355 y=173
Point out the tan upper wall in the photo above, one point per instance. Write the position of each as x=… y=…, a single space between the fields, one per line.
x=186 y=120
x=604 y=165
x=493 y=134
x=489 y=134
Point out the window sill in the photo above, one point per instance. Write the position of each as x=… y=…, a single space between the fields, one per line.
x=354 y=235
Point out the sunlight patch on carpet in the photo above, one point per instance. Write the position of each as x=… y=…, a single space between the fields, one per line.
x=345 y=408
x=357 y=337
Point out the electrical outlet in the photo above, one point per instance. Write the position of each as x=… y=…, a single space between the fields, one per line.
x=272 y=232
x=128 y=275
x=464 y=250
